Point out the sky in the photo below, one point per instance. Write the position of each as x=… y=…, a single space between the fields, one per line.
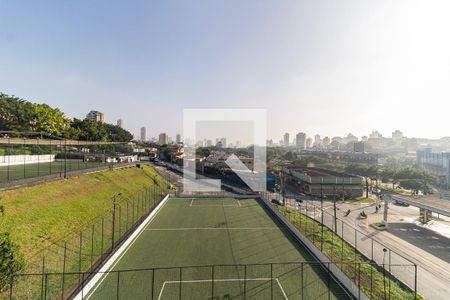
x=328 y=67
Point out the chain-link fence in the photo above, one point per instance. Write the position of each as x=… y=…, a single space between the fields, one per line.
x=31 y=155
x=78 y=254
x=348 y=247
x=290 y=280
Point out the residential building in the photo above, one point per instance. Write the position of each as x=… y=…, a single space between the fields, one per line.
x=143 y=134
x=317 y=140
x=397 y=135
x=437 y=164
x=300 y=140
x=178 y=138
x=120 y=123
x=163 y=139
x=96 y=116
x=317 y=182
x=286 y=139
x=308 y=143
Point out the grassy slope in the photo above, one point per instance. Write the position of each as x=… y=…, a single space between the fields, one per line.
x=45 y=213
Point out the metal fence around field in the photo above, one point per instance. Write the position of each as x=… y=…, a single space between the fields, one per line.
x=290 y=280
x=344 y=244
x=31 y=155
x=84 y=252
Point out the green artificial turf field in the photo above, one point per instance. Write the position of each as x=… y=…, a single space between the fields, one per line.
x=227 y=248
x=17 y=172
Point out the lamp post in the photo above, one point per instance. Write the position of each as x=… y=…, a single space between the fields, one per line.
x=114 y=199
x=384 y=272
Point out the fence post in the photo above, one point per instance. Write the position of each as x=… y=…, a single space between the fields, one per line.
x=45 y=286
x=329 y=282
x=92 y=245
x=120 y=222
x=245 y=281
x=415 y=281
x=79 y=257
x=390 y=273
x=118 y=285
x=153 y=283
x=64 y=270
x=101 y=244
x=43 y=277
x=359 y=280
x=181 y=279
x=271 y=281
x=301 y=277
x=212 y=282
x=11 y=283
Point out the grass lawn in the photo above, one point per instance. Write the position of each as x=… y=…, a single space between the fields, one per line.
x=226 y=233
x=40 y=215
x=17 y=172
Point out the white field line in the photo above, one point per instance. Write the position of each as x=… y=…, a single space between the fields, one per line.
x=214 y=228
x=100 y=276
x=281 y=288
x=214 y=205
x=221 y=280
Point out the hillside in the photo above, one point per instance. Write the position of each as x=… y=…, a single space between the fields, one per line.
x=42 y=215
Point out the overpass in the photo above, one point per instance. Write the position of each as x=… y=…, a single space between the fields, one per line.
x=426 y=203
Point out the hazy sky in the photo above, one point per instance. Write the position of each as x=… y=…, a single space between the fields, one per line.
x=328 y=67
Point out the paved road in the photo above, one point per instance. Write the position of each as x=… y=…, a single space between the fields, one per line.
x=430 y=251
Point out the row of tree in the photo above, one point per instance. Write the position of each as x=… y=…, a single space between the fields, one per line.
x=19 y=115
x=410 y=178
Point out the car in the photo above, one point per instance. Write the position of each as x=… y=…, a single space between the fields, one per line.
x=400 y=203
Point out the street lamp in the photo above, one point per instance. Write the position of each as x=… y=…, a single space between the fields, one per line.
x=114 y=199
x=384 y=272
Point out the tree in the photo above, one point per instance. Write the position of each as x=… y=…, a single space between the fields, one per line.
x=364 y=171
x=11 y=260
x=19 y=115
x=415 y=179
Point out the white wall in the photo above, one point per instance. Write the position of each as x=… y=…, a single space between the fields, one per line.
x=25 y=159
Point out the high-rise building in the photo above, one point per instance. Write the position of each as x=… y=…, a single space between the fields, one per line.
x=300 y=140
x=397 y=135
x=120 y=123
x=286 y=139
x=178 y=138
x=143 y=134
x=308 y=143
x=317 y=140
x=163 y=139
x=326 y=141
x=96 y=116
